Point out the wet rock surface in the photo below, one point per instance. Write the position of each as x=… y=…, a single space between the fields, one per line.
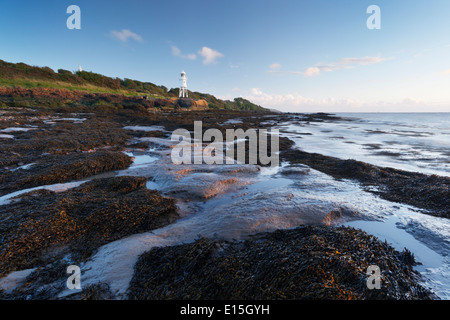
x=303 y=263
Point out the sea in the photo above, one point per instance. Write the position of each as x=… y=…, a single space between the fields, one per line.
x=418 y=142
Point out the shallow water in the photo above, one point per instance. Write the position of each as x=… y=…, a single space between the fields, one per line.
x=24 y=167
x=57 y=187
x=74 y=120
x=412 y=142
x=144 y=128
x=16 y=129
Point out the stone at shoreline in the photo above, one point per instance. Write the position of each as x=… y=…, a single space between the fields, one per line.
x=188 y=103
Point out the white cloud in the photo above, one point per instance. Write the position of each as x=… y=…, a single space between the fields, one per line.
x=345 y=63
x=295 y=102
x=313 y=71
x=412 y=102
x=210 y=55
x=275 y=66
x=256 y=91
x=362 y=61
x=126 y=34
x=446 y=72
x=177 y=52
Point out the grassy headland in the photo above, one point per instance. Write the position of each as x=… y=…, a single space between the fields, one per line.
x=23 y=76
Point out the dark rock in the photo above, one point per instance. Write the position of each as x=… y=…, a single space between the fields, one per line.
x=184 y=102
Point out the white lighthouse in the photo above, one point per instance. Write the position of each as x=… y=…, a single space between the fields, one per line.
x=183 y=88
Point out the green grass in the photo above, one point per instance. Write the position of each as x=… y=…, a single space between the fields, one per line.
x=30 y=84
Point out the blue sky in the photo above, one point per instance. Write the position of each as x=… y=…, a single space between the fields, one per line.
x=292 y=55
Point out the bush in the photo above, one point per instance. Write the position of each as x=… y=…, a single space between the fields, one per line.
x=64 y=72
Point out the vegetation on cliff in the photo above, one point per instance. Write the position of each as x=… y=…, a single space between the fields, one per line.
x=23 y=76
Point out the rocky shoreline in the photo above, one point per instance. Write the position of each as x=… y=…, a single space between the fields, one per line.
x=48 y=230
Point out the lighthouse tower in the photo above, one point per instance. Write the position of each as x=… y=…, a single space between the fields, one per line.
x=183 y=88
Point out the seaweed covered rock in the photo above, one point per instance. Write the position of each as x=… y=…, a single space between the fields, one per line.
x=58 y=149
x=45 y=226
x=59 y=168
x=302 y=263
